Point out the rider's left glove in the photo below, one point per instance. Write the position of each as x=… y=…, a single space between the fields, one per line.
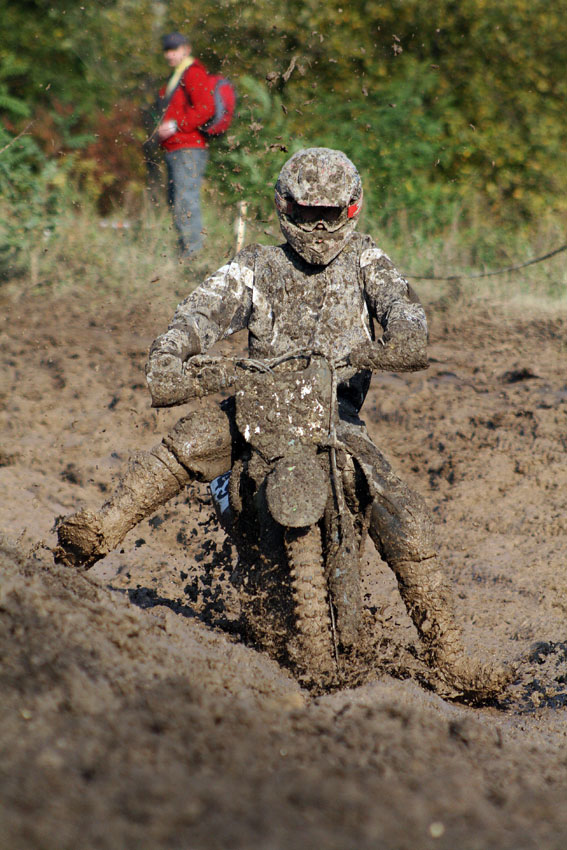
x=367 y=356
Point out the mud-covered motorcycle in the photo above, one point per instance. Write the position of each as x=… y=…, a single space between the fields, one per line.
x=296 y=503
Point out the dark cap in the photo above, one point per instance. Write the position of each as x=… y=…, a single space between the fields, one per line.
x=173 y=40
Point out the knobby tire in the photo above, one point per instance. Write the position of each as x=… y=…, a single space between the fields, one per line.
x=309 y=587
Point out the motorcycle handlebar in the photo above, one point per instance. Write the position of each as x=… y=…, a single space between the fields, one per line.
x=204 y=375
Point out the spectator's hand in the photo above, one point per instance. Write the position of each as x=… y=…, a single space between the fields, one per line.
x=166 y=129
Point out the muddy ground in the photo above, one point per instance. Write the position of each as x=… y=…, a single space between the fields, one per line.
x=132 y=715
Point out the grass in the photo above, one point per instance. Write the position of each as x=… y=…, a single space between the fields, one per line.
x=466 y=250
x=122 y=256
x=134 y=256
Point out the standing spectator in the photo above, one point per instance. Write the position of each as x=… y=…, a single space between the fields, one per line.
x=186 y=104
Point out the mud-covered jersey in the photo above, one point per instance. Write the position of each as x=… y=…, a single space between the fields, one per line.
x=288 y=304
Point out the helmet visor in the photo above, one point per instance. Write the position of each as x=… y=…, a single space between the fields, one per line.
x=317 y=218
x=310 y=218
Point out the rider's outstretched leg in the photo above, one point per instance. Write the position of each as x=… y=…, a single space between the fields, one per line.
x=429 y=602
x=198 y=447
x=401 y=532
x=150 y=479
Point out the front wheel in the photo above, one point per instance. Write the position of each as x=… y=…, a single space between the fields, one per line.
x=311 y=650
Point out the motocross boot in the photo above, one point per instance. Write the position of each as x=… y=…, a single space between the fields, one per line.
x=151 y=479
x=423 y=588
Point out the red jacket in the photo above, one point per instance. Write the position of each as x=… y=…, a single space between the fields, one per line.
x=191 y=105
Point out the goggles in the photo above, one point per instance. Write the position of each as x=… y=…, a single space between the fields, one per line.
x=308 y=218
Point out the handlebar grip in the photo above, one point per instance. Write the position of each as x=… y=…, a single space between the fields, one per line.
x=201 y=376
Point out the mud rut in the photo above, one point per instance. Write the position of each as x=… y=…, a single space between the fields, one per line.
x=132 y=713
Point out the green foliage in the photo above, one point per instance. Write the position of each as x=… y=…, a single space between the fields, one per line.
x=246 y=162
x=395 y=136
x=77 y=54
x=33 y=191
x=442 y=105
x=35 y=194
x=500 y=83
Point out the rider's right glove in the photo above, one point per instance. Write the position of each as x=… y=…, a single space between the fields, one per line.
x=164 y=376
x=164 y=370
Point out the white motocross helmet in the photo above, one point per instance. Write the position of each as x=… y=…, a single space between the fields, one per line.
x=318 y=199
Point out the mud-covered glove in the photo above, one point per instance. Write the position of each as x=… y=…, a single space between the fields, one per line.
x=180 y=342
x=404 y=354
x=165 y=369
x=164 y=376
x=172 y=382
x=367 y=356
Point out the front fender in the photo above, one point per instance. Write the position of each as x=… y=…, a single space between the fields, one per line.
x=297 y=490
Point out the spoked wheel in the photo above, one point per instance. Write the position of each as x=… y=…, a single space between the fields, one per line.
x=312 y=649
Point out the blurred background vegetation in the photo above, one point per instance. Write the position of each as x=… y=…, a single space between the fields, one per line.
x=454 y=112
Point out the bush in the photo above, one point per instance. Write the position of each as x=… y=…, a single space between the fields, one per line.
x=34 y=191
x=393 y=135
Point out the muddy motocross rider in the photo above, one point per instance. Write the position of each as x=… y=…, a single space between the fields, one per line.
x=328 y=289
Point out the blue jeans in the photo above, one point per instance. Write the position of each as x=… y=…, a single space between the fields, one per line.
x=185 y=170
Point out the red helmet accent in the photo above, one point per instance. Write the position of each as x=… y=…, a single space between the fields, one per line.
x=354 y=209
x=282 y=204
